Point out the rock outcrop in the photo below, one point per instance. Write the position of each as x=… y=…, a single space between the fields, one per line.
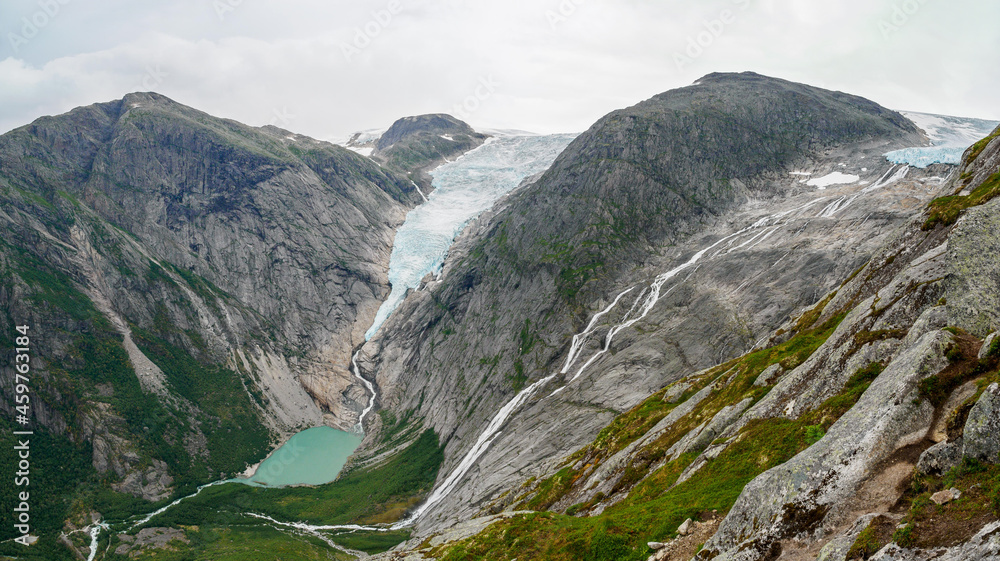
x=415 y=145
x=981 y=438
x=842 y=415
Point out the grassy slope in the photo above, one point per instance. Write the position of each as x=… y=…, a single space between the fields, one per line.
x=654 y=507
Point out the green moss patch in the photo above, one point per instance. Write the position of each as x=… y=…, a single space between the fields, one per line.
x=874 y=537
x=944 y=211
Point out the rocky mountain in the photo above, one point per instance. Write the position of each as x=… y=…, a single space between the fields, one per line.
x=193 y=289
x=644 y=191
x=864 y=427
x=415 y=145
x=722 y=325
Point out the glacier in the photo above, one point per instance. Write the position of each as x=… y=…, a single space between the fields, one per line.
x=462 y=190
x=949 y=136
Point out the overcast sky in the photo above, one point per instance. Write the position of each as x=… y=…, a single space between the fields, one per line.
x=326 y=68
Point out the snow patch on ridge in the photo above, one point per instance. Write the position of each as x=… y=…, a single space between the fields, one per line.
x=835 y=178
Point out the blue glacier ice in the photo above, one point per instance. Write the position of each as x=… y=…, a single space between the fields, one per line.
x=462 y=189
x=950 y=137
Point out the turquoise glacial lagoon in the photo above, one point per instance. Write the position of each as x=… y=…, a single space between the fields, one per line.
x=312 y=457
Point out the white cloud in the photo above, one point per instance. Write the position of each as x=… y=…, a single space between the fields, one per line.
x=558 y=65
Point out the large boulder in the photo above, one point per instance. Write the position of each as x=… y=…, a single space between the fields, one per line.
x=982 y=430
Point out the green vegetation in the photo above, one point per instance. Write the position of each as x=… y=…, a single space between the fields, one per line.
x=236 y=543
x=976 y=149
x=737 y=378
x=945 y=211
x=365 y=496
x=249 y=538
x=872 y=538
x=60 y=470
x=527 y=338
x=231 y=424
x=396 y=429
x=372 y=542
x=519 y=378
x=964 y=366
x=51 y=289
x=655 y=506
x=91 y=372
x=863 y=338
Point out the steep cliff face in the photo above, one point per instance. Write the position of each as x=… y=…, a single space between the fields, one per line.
x=696 y=185
x=863 y=428
x=193 y=286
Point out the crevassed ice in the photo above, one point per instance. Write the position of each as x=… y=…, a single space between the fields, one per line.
x=462 y=189
x=950 y=137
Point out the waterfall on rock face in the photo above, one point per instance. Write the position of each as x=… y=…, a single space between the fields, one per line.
x=360 y=426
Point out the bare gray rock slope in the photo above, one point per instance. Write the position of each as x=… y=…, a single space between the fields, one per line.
x=705 y=181
x=194 y=286
x=900 y=387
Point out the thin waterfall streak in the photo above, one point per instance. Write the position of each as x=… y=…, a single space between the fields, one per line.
x=648 y=304
x=892 y=175
x=360 y=427
x=744 y=244
x=475 y=452
x=577 y=345
x=780 y=259
x=829 y=209
x=763 y=239
x=417 y=187
x=492 y=430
